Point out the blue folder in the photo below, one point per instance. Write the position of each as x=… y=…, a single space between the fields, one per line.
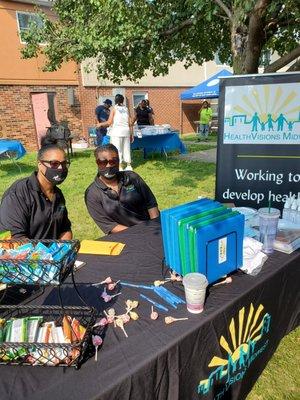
x=165 y=224
x=185 y=224
x=218 y=245
x=174 y=234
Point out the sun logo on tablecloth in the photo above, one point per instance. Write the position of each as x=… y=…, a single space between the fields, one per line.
x=240 y=349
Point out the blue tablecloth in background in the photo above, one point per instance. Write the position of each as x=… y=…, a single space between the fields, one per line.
x=12 y=146
x=162 y=143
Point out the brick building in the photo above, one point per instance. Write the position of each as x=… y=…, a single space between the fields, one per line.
x=26 y=92
x=162 y=92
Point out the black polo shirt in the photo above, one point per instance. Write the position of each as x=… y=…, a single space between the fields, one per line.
x=109 y=209
x=25 y=211
x=142 y=115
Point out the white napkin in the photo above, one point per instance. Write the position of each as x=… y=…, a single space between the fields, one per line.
x=253 y=257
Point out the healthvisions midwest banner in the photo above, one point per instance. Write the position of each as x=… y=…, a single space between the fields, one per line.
x=258 y=158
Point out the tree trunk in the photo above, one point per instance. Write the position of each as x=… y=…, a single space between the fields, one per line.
x=284 y=60
x=295 y=66
x=239 y=37
x=247 y=40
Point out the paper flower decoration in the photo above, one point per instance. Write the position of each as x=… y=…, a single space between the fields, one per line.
x=108 y=297
x=110 y=315
x=134 y=304
x=170 y=320
x=125 y=318
x=102 y=322
x=97 y=341
x=107 y=280
x=111 y=286
x=227 y=280
x=154 y=314
x=133 y=315
x=120 y=324
x=158 y=283
x=128 y=303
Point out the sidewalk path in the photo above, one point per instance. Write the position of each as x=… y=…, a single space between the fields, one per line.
x=204 y=155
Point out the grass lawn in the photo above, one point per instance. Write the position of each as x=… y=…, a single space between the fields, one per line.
x=192 y=137
x=173 y=182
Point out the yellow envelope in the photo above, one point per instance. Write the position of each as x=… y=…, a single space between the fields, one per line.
x=101 y=248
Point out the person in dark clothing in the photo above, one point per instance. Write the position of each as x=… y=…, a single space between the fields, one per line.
x=102 y=114
x=33 y=207
x=143 y=115
x=117 y=200
x=149 y=107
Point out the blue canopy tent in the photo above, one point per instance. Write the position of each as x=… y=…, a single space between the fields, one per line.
x=208 y=89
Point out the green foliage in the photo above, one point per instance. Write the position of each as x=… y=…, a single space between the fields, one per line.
x=128 y=37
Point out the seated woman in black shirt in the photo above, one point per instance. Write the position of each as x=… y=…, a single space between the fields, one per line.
x=117 y=200
x=34 y=207
x=143 y=115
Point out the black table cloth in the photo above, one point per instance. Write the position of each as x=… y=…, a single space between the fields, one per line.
x=218 y=354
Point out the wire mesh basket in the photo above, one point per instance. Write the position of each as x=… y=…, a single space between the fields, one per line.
x=17 y=269
x=36 y=353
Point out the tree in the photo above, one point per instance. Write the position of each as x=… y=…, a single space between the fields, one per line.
x=128 y=37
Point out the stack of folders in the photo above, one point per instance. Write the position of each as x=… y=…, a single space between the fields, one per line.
x=203 y=236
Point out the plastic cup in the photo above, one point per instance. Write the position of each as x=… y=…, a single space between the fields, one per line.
x=195 y=285
x=268 y=223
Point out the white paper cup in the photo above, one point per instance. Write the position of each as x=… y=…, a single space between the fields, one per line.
x=195 y=285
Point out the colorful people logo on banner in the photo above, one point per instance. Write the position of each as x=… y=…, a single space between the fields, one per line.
x=262 y=114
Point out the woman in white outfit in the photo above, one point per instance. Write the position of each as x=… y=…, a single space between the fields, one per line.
x=120 y=131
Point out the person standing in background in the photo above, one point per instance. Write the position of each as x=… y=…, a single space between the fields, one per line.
x=102 y=114
x=205 y=117
x=149 y=107
x=143 y=115
x=120 y=133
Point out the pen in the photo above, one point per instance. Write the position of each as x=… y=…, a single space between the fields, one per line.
x=157 y=305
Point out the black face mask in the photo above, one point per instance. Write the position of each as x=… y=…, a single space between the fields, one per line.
x=109 y=172
x=56 y=176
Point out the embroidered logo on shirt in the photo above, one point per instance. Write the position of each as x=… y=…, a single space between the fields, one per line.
x=130 y=188
x=61 y=208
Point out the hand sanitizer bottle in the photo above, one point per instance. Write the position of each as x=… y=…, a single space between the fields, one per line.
x=286 y=210
x=298 y=216
x=293 y=212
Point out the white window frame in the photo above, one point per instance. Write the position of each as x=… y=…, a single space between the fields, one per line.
x=139 y=93
x=19 y=28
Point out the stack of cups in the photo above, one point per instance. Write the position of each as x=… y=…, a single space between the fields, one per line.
x=268 y=223
x=195 y=285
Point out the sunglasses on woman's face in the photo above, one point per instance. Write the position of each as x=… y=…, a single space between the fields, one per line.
x=54 y=164
x=103 y=163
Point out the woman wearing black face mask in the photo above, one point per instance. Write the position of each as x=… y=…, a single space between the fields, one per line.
x=117 y=200
x=34 y=207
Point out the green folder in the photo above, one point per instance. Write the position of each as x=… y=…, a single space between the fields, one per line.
x=182 y=226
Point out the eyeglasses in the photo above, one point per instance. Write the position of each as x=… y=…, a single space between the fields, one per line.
x=54 y=164
x=103 y=163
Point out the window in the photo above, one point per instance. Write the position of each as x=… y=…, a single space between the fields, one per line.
x=25 y=19
x=137 y=97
